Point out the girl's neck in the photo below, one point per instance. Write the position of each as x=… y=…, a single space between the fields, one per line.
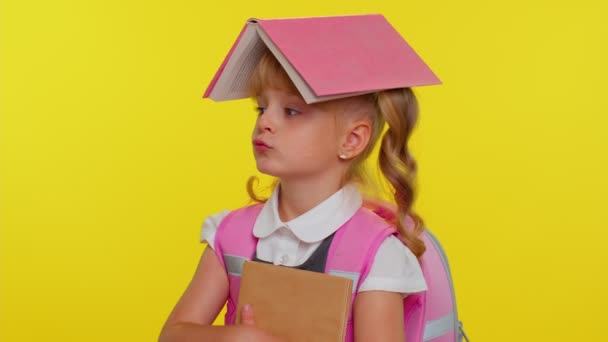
x=296 y=198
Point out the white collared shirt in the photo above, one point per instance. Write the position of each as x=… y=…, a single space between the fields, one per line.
x=395 y=267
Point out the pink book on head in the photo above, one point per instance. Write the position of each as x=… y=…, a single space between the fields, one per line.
x=325 y=57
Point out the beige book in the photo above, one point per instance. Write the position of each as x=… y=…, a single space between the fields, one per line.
x=295 y=304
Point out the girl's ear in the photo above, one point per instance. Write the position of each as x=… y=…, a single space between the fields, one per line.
x=356 y=138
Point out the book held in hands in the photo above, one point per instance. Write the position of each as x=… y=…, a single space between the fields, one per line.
x=295 y=304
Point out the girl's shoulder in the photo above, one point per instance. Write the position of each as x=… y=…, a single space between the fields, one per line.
x=395 y=268
x=210 y=225
x=212 y=222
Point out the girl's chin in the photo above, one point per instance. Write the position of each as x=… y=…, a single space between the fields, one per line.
x=275 y=171
x=267 y=169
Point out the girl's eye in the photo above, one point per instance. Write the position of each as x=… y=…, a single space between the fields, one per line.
x=291 y=111
x=260 y=110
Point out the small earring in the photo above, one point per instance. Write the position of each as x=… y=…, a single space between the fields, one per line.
x=343 y=155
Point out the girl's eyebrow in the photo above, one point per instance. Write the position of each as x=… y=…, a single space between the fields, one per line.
x=260 y=97
x=290 y=97
x=297 y=98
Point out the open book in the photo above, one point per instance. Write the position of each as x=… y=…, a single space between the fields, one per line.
x=325 y=57
x=295 y=304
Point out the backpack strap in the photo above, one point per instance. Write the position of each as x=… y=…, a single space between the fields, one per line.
x=355 y=245
x=234 y=238
x=353 y=251
x=235 y=244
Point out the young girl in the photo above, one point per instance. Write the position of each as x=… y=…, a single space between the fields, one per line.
x=316 y=152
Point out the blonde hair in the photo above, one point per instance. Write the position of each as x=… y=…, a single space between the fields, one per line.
x=395 y=108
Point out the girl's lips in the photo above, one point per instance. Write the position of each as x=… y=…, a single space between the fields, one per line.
x=260 y=145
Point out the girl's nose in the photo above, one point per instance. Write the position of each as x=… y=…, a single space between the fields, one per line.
x=266 y=121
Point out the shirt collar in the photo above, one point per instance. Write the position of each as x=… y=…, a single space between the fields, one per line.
x=315 y=224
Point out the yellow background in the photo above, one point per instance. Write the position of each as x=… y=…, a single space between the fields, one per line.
x=110 y=160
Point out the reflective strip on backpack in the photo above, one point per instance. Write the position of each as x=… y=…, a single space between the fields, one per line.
x=234 y=264
x=438 y=327
x=349 y=275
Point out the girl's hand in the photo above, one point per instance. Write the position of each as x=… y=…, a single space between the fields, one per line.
x=247 y=331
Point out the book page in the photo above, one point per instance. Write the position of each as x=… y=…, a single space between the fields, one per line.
x=233 y=81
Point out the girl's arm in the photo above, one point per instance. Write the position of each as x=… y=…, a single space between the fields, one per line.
x=203 y=299
x=196 y=310
x=379 y=316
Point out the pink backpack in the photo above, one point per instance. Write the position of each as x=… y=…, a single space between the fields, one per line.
x=429 y=316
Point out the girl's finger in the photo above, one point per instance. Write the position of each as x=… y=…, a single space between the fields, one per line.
x=247 y=315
